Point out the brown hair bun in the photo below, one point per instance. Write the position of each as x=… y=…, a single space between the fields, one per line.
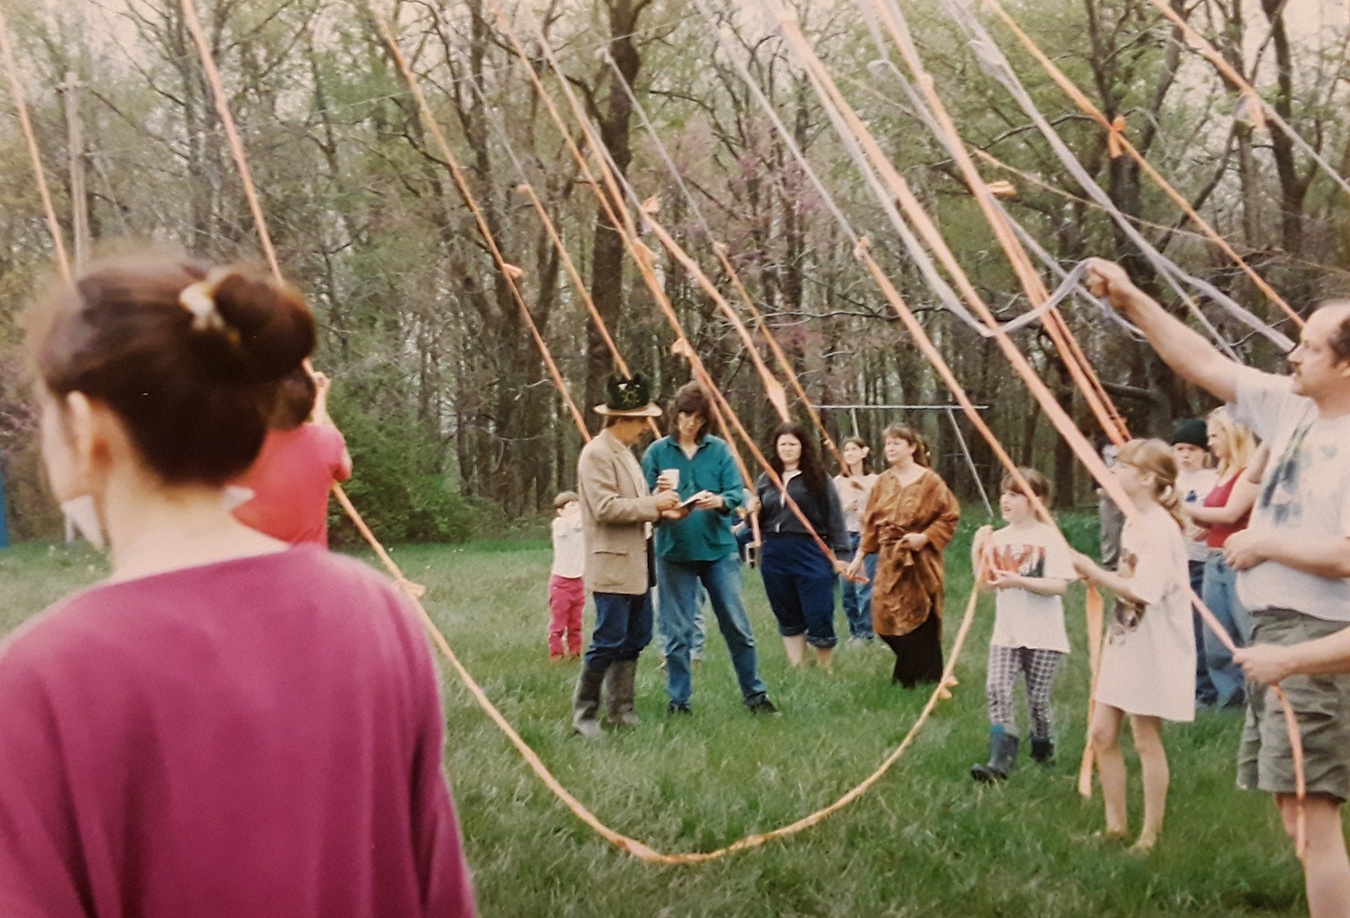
x=268 y=325
x=193 y=386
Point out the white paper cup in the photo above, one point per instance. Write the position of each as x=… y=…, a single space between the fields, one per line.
x=672 y=476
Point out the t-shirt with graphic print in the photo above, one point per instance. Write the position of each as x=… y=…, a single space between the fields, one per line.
x=1305 y=494
x=1023 y=618
x=1193 y=488
x=1148 y=657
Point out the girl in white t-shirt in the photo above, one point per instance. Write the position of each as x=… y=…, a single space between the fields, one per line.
x=1147 y=661
x=1027 y=564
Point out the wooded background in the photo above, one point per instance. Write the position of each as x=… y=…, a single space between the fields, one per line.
x=445 y=402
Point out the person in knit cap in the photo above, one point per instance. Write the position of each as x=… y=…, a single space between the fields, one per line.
x=1195 y=479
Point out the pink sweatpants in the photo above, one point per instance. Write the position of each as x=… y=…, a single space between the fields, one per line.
x=566 y=599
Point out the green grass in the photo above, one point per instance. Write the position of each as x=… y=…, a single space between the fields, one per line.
x=925 y=841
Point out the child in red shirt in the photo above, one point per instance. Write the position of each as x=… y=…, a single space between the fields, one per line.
x=299 y=463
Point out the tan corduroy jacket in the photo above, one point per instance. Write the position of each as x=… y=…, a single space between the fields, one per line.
x=615 y=510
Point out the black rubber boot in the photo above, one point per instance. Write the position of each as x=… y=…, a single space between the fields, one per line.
x=619 y=694
x=1002 y=757
x=586 y=702
x=1043 y=751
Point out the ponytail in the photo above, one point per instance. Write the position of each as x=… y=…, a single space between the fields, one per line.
x=1170 y=500
x=1155 y=458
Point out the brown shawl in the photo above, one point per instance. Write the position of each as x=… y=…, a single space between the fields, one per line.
x=908 y=584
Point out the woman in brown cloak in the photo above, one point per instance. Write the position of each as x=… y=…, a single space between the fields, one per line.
x=910 y=517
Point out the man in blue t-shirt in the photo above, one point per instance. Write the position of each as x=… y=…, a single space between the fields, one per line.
x=700 y=548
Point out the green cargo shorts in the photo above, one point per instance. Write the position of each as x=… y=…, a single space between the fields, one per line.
x=1321 y=705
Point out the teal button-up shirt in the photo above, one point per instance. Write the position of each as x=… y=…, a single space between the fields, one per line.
x=704 y=535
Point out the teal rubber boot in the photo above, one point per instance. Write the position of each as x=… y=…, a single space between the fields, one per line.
x=1002 y=757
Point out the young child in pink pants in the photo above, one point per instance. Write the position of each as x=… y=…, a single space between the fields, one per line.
x=566 y=591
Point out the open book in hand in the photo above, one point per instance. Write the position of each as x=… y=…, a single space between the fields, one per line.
x=694 y=498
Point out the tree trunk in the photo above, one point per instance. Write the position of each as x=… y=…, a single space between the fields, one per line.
x=1293 y=187
x=1064 y=458
x=607 y=246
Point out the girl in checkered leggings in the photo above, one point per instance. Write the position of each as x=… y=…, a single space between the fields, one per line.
x=1028 y=566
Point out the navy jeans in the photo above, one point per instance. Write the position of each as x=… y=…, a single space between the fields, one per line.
x=1220 y=594
x=799 y=581
x=623 y=626
x=1205 y=693
x=678 y=583
x=857 y=597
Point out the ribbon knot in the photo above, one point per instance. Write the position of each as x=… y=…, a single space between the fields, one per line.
x=1115 y=138
x=414 y=590
x=1251 y=108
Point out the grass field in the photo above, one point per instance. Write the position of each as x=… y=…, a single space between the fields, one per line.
x=924 y=842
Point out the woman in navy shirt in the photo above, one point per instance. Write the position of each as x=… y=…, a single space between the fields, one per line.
x=798 y=576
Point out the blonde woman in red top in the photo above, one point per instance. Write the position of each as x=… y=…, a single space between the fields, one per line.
x=1225 y=511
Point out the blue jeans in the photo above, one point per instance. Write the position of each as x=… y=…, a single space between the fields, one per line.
x=857 y=597
x=678 y=583
x=1220 y=594
x=623 y=626
x=1205 y=693
x=799 y=581
x=699 y=639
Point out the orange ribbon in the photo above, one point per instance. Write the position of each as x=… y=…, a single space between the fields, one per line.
x=1115 y=138
x=1116 y=135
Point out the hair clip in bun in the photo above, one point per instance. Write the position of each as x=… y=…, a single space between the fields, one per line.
x=200 y=300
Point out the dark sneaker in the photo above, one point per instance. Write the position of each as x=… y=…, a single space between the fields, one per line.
x=673 y=708
x=764 y=706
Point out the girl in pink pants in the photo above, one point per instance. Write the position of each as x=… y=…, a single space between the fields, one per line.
x=566 y=590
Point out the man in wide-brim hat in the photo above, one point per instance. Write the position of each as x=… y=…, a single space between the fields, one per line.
x=616 y=512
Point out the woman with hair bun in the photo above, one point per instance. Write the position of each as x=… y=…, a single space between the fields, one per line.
x=227 y=725
x=911 y=516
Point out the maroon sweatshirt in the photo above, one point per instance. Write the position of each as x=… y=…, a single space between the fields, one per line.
x=258 y=737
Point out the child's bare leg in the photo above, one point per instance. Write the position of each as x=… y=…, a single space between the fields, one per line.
x=795 y=647
x=1148 y=741
x=1105 y=733
x=824 y=656
x=1326 y=868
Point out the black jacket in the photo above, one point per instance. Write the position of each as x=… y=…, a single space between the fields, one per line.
x=777 y=518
